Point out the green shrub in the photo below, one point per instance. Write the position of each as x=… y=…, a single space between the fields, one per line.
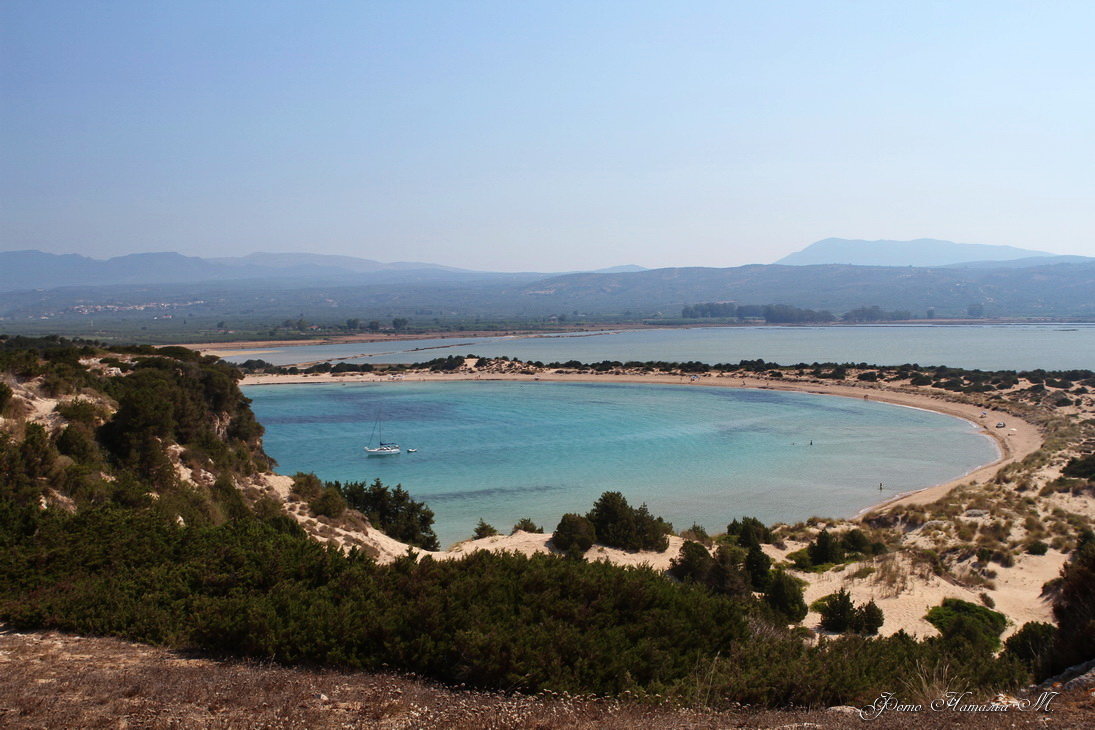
x=81 y=410
x=392 y=511
x=620 y=525
x=726 y=575
x=693 y=564
x=958 y=619
x=328 y=503
x=825 y=549
x=230 y=500
x=869 y=619
x=525 y=524
x=6 y=395
x=306 y=486
x=758 y=568
x=1081 y=467
x=1032 y=644
x=500 y=621
x=839 y=614
x=837 y=611
x=37 y=452
x=1074 y=609
x=855 y=541
x=574 y=535
x=698 y=533
x=749 y=532
x=77 y=441
x=483 y=529
x=784 y=595
x=720 y=573
x=1037 y=547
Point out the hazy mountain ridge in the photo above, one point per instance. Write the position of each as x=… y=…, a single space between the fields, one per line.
x=1063 y=290
x=25 y=270
x=21 y=270
x=326 y=261
x=294 y=285
x=919 y=252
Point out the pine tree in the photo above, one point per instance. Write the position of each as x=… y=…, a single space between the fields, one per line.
x=785 y=596
x=758 y=567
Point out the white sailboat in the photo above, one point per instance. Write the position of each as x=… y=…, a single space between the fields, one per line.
x=383 y=448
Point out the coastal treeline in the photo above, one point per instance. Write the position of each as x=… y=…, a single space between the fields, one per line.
x=770 y=313
x=788 y=314
x=100 y=535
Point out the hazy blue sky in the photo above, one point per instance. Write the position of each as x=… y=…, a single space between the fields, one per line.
x=544 y=135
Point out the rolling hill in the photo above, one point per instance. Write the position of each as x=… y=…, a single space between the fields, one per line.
x=920 y=252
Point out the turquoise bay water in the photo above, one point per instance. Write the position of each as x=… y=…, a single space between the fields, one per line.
x=504 y=450
x=987 y=347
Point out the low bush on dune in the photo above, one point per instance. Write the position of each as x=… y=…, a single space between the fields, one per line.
x=574 y=535
x=1081 y=467
x=839 y=614
x=975 y=624
x=620 y=525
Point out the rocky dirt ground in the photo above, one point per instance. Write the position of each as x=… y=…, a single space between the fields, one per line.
x=52 y=680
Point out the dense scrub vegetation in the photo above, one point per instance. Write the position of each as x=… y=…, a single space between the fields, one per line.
x=1081 y=468
x=1074 y=609
x=574 y=535
x=264 y=589
x=148 y=557
x=977 y=625
x=392 y=511
x=827 y=550
x=618 y=524
x=615 y=523
x=839 y=614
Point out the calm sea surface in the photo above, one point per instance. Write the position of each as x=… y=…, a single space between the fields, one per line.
x=503 y=450
x=987 y=347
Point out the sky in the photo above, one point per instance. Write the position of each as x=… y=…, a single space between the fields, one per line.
x=543 y=135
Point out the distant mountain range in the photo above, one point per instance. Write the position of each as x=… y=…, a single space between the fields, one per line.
x=920 y=252
x=23 y=270
x=260 y=262
x=265 y=287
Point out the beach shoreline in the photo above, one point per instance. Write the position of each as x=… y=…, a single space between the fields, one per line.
x=1014 y=442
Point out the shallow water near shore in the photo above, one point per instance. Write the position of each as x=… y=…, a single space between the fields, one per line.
x=505 y=450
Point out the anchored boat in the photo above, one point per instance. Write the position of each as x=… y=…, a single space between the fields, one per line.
x=383 y=448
